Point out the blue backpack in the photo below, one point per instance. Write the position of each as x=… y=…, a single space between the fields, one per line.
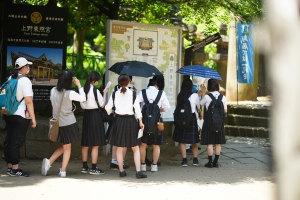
x=8 y=101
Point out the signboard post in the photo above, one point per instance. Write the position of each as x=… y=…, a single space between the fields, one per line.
x=38 y=33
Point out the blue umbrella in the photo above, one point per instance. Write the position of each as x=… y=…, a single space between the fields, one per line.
x=199 y=70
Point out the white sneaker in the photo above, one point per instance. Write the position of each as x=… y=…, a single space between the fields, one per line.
x=143 y=167
x=45 y=166
x=62 y=174
x=154 y=168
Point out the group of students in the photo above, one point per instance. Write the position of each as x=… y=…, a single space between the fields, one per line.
x=126 y=106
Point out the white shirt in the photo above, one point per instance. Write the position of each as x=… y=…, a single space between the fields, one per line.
x=151 y=93
x=194 y=100
x=91 y=102
x=123 y=104
x=206 y=100
x=24 y=89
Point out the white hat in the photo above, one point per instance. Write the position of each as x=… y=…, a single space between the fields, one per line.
x=198 y=80
x=21 y=62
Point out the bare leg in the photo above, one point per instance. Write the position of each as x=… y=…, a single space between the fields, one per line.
x=182 y=150
x=124 y=152
x=113 y=152
x=58 y=152
x=137 y=157
x=217 y=149
x=195 y=150
x=210 y=150
x=143 y=147
x=94 y=154
x=119 y=154
x=156 y=153
x=84 y=153
x=66 y=156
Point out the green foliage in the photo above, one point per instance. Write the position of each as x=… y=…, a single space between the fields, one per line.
x=210 y=49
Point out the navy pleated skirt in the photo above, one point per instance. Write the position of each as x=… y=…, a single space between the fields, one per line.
x=211 y=138
x=68 y=134
x=93 y=131
x=124 y=131
x=188 y=135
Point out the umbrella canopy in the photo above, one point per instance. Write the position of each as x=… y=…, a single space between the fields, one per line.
x=199 y=70
x=135 y=68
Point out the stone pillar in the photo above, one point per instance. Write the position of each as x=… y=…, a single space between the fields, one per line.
x=236 y=91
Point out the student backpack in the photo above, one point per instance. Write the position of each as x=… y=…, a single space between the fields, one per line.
x=8 y=101
x=215 y=113
x=183 y=113
x=151 y=114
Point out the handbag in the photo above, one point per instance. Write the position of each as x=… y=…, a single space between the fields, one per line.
x=105 y=117
x=54 y=124
x=160 y=125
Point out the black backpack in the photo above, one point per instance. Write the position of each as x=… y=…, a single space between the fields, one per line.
x=183 y=113
x=215 y=114
x=151 y=114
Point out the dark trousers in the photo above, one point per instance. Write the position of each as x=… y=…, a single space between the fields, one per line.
x=16 y=129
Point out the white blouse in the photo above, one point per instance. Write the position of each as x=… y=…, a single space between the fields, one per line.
x=124 y=104
x=91 y=101
x=194 y=100
x=206 y=100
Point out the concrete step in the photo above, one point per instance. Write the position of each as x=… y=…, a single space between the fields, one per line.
x=249 y=109
x=247 y=131
x=247 y=120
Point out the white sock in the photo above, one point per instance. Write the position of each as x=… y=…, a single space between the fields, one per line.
x=114 y=161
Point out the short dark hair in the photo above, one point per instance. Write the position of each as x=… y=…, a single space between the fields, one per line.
x=213 y=85
x=65 y=80
x=160 y=81
x=185 y=91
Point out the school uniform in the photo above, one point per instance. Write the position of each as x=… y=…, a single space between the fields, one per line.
x=93 y=131
x=125 y=126
x=189 y=135
x=163 y=103
x=68 y=128
x=206 y=136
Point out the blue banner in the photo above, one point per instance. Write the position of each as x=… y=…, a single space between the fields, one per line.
x=245 y=53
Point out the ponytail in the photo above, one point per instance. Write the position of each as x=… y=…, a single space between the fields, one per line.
x=123 y=90
x=15 y=74
x=87 y=87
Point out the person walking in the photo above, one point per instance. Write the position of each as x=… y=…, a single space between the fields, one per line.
x=124 y=129
x=18 y=123
x=93 y=132
x=157 y=140
x=68 y=128
x=189 y=134
x=208 y=138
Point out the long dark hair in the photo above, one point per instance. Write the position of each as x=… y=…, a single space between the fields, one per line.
x=160 y=81
x=93 y=77
x=123 y=81
x=65 y=80
x=185 y=91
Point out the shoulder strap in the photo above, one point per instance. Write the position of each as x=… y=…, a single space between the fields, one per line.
x=220 y=97
x=20 y=76
x=62 y=98
x=133 y=99
x=158 y=97
x=145 y=96
x=211 y=96
x=96 y=97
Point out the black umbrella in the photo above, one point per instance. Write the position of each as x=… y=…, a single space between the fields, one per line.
x=135 y=68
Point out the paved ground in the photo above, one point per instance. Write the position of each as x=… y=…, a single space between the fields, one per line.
x=244 y=174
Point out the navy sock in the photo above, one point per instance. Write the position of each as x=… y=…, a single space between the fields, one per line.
x=94 y=166
x=210 y=159
x=84 y=164
x=216 y=158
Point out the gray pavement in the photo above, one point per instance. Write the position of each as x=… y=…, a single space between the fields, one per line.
x=245 y=173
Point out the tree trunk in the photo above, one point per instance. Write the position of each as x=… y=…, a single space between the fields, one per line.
x=238 y=91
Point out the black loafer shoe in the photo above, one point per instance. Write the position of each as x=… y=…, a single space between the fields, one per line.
x=140 y=175
x=209 y=165
x=115 y=166
x=123 y=174
x=216 y=165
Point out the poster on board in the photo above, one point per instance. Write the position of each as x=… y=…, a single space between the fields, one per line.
x=157 y=45
x=38 y=33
